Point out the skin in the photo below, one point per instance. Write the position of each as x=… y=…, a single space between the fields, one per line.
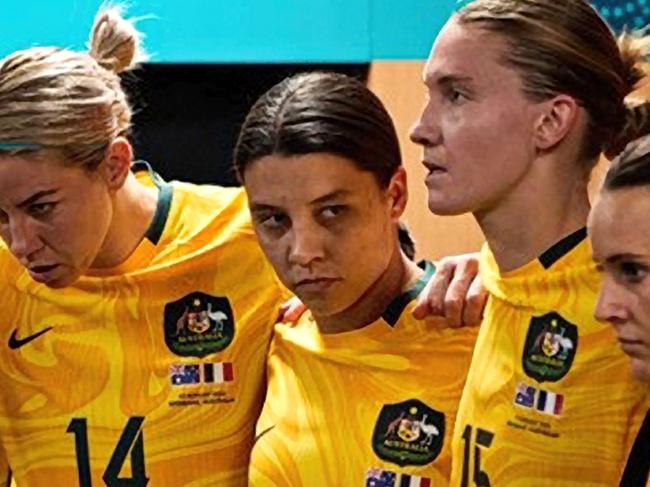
x=49 y=225
x=491 y=150
x=332 y=238
x=624 y=299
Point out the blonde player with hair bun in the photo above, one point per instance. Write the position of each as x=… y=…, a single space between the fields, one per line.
x=523 y=96
x=136 y=313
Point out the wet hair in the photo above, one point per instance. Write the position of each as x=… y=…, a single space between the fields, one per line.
x=55 y=98
x=320 y=113
x=565 y=47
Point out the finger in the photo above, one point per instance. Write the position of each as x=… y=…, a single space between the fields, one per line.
x=456 y=294
x=295 y=311
x=436 y=289
x=421 y=309
x=286 y=308
x=475 y=303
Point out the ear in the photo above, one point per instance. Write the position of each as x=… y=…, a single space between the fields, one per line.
x=398 y=193
x=557 y=118
x=117 y=163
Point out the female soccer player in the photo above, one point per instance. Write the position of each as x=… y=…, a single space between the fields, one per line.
x=523 y=95
x=136 y=314
x=619 y=230
x=360 y=392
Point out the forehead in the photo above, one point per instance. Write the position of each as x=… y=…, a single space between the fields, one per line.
x=282 y=180
x=24 y=174
x=467 y=50
x=619 y=222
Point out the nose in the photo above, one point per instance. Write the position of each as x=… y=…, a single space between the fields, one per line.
x=306 y=246
x=23 y=239
x=426 y=129
x=611 y=305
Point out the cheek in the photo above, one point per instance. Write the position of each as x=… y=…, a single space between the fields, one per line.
x=643 y=315
x=367 y=248
x=89 y=223
x=486 y=138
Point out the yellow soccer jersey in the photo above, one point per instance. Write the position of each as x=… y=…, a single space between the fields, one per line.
x=149 y=373
x=549 y=399
x=373 y=407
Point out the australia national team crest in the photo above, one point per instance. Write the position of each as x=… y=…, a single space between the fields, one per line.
x=198 y=324
x=550 y=347
x=408 y=433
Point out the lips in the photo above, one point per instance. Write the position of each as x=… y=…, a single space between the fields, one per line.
x=633 y=348
x=315 y=284
x=432 y=166
x=42 y=273
x=39 y=269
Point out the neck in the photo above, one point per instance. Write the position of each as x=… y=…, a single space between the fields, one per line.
x=400 y=275
x=134 y=206
x=540 y=211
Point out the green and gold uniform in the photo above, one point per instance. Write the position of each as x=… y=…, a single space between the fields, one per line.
x=148 y=373
x=549 y=399
x=370 y=407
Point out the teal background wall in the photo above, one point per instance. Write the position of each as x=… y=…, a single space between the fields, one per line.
x=226 y=31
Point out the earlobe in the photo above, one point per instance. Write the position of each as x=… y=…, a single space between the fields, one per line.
x=556 y=120
x=117 y=164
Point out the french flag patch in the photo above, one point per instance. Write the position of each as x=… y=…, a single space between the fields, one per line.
x=549 y=403
x=413 y=481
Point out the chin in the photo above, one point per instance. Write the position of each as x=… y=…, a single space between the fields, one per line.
x=63 y=281
x=320 y=306
x=439 y=205
x=641 y=369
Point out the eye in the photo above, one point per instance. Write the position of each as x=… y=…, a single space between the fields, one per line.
x=632 y=271
x=455 y=95
x=41 y=209
x=333 y=211
x=272 y=221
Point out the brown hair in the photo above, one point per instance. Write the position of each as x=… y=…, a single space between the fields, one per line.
x=321 y=112
x=564 y=46
x=71 y=101
x=631 y=168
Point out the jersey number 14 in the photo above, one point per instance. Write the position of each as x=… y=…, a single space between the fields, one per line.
x=130 y=442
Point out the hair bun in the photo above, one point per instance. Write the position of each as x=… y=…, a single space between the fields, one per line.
x=114 y=42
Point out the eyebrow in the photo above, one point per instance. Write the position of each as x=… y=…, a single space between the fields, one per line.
x=447 y=79
x=339 y=193
x=623 y=256
x=36 y=196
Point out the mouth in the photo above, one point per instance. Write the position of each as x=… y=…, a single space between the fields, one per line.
x=433 y=168
x=633 y=348
x=315 y=284
x=41 y=273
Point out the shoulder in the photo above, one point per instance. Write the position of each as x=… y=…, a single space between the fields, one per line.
x=208 y=213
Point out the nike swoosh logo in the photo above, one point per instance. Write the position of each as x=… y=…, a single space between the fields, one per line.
x=15 y=343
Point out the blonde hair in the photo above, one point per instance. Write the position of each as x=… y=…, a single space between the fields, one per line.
x=564 y=46
x=72 y=101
